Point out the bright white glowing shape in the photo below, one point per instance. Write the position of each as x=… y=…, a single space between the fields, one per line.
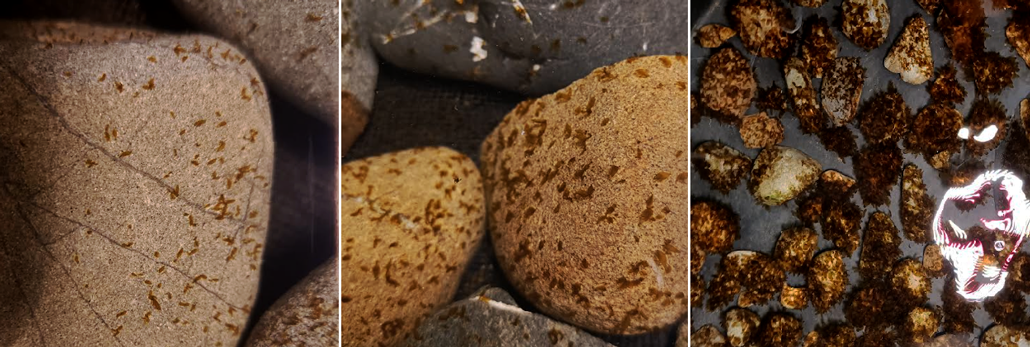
x=987 y=134
x=978 y=275
x=963 y=133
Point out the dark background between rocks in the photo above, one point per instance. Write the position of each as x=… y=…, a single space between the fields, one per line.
x=410 y=110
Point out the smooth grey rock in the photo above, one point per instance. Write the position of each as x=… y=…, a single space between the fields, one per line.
x=529 y=46
x=294 y=44
x=490 y=317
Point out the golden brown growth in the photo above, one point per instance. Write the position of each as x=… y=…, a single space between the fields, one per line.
x=713 y=35
x=403 y=237
x=946 y=89
x=827 y=280
x=779 y=329
x=865 y=22
x=794 y=248
x=819 y=47
x=879 y=247
x=876 y=169
x=728 y=84
x=884 y=117
x=1018 y=34
x=962 y=23
x=993 y=72
x=803 y=96
x=910 y=282
x=917 y=206
x=547 y=155
x=934 y=130
x=760 y=131
x=762 y=26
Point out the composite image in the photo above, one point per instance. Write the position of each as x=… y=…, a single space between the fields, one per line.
x=515 y=173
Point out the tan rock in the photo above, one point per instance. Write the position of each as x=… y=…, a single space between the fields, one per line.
x=910 y=56
x=803 y=96
x=933 y=261
x=309 y=314
x=741 y=326
x=760 y=131
x=707 y=336
x=566 y=179
x=410 y=221
x=136 y=187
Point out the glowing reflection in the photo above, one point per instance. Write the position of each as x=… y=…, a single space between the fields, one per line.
x=987 y=134
x=981 y=262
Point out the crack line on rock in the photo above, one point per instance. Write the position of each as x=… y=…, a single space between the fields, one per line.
x=39 y=241
x=64 y=123
x=119 y=245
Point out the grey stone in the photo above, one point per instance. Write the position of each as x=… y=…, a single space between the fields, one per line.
x=491 y=317
x=295 y=45
x=530 y=46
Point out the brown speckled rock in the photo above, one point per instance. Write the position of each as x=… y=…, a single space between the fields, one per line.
x=308 y=315
x=594 y=165
x=296 y=46
x=409 y=223
x=135 y=189
x=760 y=131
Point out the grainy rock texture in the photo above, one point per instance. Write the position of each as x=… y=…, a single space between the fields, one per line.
x=295 y=46
x=308 y=315
x=760 y=131
x=135 y=187
x=910 y=56
x=594 y=165
x=410 y=221
x=491 y=317
x=713 y=35
x=866 y=22
x=728 y=85
x=530 y=46
x=721 y=165
x=780 y=174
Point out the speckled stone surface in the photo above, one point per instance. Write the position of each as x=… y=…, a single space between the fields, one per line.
x=490 y=317
x=307 y=315
x=135 y=188
x=588 y=197
x=295 y=45
x=531 y=46
x=410 y=222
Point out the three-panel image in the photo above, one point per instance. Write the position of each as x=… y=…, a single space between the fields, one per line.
x=509 y=173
